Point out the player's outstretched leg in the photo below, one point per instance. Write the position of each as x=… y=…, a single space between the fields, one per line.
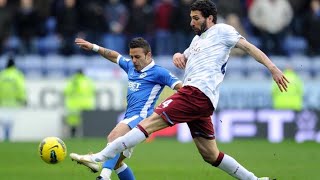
x=129 y=140
x=132 y=138
x=211 y=154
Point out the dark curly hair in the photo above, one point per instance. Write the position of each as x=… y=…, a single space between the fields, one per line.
x=206 y=7
x=139 y=42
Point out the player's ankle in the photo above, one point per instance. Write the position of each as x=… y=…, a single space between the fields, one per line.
x=106 y=173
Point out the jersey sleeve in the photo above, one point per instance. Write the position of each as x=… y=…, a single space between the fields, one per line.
x=229 y=36
x=167 y=78
x=124 y=63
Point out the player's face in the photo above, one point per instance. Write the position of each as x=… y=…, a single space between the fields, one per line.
x=139 y=58
x=198 y=22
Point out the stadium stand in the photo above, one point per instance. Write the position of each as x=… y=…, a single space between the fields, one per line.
x=51 y=39
x=238 y=68
x=32 y=66
x=54 y=67
x=46 y=58
x=315 y=68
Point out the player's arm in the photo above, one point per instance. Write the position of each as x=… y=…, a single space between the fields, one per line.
x=106 y=53
x=179 y=60
x=261 y=57
x=178 y=86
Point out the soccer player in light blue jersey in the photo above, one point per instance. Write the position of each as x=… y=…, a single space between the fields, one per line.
x=205 y=64
x=146 y=81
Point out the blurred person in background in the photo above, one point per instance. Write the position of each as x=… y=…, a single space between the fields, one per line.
x=230 y=7
x=232 y=13
x=12 y=94
x=12 y=86
x=93 y=24
x=204 y=62
x=293 y=97
x=43 y=7
x=141 y=21
x=67 y=18
x=146 y=82
x=163 y=40
x=116 y=14
x=79 y=95
x=248 y=3
x=300 y=8
x=271 y=18
x=28 y=25
x=311 y=28
x=5 y=23
x=182 y=33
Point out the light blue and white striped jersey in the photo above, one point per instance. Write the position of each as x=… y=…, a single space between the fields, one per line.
x=144 y=87
x=207 y=58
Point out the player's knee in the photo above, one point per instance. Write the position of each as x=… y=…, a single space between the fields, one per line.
x=107 y=137
x=112 y=136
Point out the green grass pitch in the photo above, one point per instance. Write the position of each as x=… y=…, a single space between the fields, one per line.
x=166 y=159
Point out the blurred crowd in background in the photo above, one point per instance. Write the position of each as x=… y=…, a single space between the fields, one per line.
x=278 y=27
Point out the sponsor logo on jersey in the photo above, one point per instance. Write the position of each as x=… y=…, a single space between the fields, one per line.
x=195 y=48
x=133 y=86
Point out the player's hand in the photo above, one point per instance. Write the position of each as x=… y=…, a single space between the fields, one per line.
x=280 y=79
x=179 y=60
x=83 y=44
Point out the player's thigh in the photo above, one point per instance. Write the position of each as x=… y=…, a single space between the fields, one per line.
x=132 y=121
x=207 y=148
x=120 y=130
x=203 y=127
x=153 y=123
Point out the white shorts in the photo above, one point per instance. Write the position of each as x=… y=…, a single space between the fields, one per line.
x=133 y=121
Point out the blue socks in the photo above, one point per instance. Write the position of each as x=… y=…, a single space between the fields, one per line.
x=124 y=172
x=111 y=163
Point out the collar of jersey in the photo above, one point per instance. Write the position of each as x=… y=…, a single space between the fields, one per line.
x=204 y=35
x=149 y=66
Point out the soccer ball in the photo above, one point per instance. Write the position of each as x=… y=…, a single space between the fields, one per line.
x=52 y=150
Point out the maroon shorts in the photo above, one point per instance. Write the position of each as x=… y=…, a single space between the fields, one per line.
x=192 y=106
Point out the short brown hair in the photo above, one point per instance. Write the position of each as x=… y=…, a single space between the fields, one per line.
x=139 y=42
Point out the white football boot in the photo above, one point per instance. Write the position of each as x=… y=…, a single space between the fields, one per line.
x=86 y=160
